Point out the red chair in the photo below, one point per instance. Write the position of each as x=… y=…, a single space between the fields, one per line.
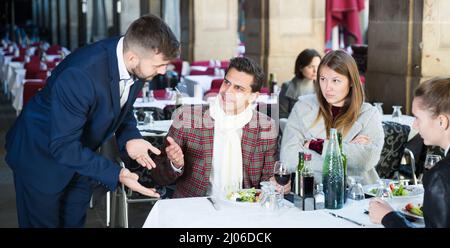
x=178 y=64
x=53 y=50
x=31 y=88
x=22 y=50
x=264 y=91
x=51 y=65
x=160 y=94
x=211 y=93
x=20 y=58
x=42 y=74
x=216 y=83
x=209 y=71
x=32 y=67
x=224 y=64
x=200 y=63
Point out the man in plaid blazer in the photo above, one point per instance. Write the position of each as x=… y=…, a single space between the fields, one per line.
x=188 y=158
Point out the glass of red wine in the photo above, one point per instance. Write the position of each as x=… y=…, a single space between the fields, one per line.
x=282 y=175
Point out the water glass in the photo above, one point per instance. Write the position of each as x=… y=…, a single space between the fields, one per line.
x=269 y=197
x=396 y=113
x=379 y=107
x=431 y=160
x=151 y=97
x=356 y=191
x=148 y=117
x=384 y=191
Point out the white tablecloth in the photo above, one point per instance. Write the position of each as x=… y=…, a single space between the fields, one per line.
x=198 y=212
x=16 y=88
x=139 y=103
x=203 y=80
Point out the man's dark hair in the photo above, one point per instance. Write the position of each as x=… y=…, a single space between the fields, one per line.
x=247 y=65
x=304 y=59
x=149 y=32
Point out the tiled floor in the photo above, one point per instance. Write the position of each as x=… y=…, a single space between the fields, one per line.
x=96 y=217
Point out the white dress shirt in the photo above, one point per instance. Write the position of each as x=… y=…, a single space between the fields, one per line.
x=126 y=81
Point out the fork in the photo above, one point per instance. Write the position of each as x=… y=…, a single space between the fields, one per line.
x=213 y=202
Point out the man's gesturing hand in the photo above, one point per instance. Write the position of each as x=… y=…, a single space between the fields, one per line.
x=174 y=153
x=130 y=180
x=138 y=150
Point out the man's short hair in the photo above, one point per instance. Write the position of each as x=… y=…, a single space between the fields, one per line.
x=149 y=32
x=247 y=65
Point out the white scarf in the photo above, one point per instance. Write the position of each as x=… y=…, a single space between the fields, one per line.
x=227 y=170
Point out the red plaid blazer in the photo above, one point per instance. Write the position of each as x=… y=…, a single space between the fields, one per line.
x=193 y=130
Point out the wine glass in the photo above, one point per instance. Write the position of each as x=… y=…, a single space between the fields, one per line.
x=431 y=160
x=356 y=191
x=282 y=175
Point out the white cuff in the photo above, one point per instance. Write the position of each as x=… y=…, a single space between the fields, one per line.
x=177 y=170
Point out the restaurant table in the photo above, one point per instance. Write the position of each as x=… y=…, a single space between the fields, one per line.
x=140 y=103
x=203 y=80
x=157 y=128
x=198 y=212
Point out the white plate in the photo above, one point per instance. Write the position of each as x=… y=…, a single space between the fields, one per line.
x=405 y=212
x=413 y=190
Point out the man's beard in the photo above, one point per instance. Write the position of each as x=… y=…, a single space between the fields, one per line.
x=139 y=76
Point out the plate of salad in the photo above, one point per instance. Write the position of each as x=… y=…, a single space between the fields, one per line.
x=398 y=190
x=413 y=211
x=244 y=196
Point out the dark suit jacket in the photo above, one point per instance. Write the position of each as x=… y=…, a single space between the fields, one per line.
x=59 y=130
x=194 y=133
x=436 y=202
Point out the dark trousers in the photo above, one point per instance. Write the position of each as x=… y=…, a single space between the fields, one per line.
x=63 y=209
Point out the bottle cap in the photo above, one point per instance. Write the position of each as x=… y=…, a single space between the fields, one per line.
x=307 y=156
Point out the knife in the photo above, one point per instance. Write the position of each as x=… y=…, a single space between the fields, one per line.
x=347 y=219
x=152 y=131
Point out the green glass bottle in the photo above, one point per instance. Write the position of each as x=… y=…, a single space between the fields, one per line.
x=300 y=166
x=333 y=174
x=344 y=165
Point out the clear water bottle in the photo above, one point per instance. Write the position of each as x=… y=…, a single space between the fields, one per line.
x=333 y=174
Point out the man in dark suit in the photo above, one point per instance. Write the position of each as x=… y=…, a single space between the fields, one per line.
x=88 y=98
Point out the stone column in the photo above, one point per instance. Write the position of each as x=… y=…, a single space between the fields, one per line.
x=294 y=25
x=215 y=34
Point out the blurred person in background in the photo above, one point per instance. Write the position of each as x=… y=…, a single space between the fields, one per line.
x=305 y=71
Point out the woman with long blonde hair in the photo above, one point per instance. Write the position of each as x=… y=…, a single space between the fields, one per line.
x=338 y=103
